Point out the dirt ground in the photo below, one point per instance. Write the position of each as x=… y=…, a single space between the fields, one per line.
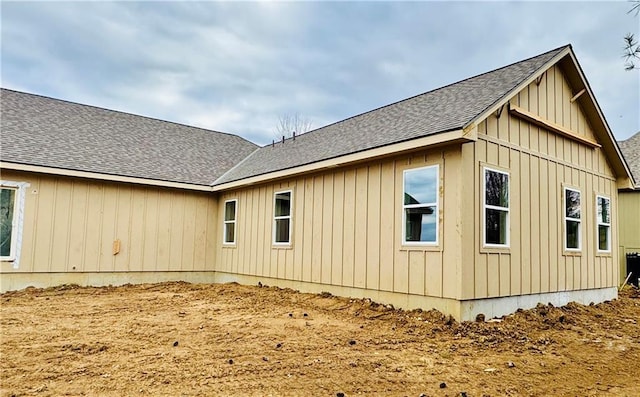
x=179 y=339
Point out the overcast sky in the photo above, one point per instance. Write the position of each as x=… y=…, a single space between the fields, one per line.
x=237 y=67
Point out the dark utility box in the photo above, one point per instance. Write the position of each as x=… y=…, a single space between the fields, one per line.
x=633 y=267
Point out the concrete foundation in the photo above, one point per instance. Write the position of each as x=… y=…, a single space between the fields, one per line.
x=16 y=281
x=399 y=300
x=496 y=307
x=461 y=310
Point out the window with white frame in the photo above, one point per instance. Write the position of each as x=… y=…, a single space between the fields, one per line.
x=603 y=215
x=8 y=215
x=12 y=200
x=282 y=217
x=420 y=206
x=230 y=207
x=496 y=208
x=572 y=219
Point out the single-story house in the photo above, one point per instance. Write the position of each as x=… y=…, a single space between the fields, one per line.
x=629 y=206
x=487 y=195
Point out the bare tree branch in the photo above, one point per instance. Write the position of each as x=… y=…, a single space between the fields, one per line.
x=290 y=123
x=631 y=52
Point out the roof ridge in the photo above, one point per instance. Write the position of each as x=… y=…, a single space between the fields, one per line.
x=427 y=92
x=122 y=112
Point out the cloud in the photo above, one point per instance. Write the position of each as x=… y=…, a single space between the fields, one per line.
x=236 y=67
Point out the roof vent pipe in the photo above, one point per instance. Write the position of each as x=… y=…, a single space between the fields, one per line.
x=294 y=135
x=283 y=139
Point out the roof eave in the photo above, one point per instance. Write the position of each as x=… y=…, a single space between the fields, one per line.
x=99 y=176
x=595 y=114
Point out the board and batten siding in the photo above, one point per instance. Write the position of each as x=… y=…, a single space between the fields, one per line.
x=540 y=163
x=347 y=229
x=629 y=207
x=70 y=225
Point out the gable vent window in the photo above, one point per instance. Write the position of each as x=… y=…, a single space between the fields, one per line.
x=230 y=207
x=572 y=219
x=420 y=206
x=282 y=218
x=603 y=215
x=496 y=208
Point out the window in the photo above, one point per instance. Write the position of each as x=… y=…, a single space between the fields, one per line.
x=8 y=214
x=496 y=208
x=230 y=221
x=420 y=208
x=282 y=218
x=572 y=220
x=603 y=215
x=12 y=197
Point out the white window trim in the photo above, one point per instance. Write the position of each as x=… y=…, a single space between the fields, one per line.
x=18 y=221
x=434 y=204
x=486 y=206
x=289 y=217
x=599 y=223
x=566 y=218
x=225 y=223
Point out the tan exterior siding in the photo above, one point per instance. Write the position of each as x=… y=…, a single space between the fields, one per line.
x=70 y=225
x=629 y=211
x=540 y=163
x=347 y=228
x=629 y=208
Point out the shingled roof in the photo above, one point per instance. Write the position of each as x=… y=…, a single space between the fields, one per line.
x=631 y=150
x=445 y=109
x=41 y=131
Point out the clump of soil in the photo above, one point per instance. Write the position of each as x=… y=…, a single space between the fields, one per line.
x=196 y=339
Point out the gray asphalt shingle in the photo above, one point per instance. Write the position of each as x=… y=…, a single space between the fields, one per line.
x=37 y=130
x=42 y=131
x=631 y=151
x=445 y=109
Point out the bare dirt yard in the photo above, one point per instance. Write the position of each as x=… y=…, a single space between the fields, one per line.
x=179 y=339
